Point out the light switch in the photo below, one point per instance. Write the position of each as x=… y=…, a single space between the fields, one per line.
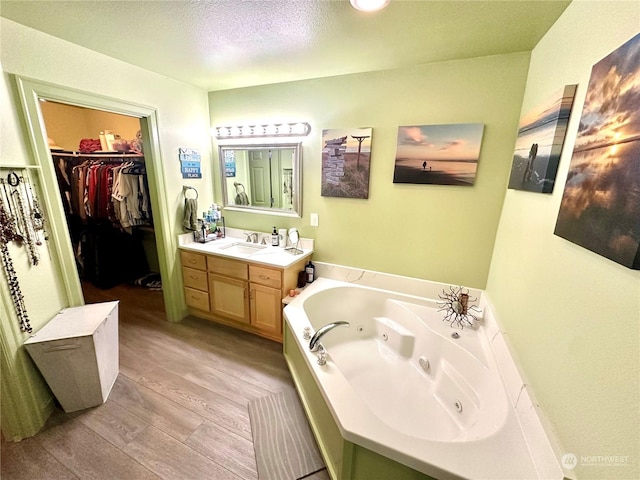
x=314 y=219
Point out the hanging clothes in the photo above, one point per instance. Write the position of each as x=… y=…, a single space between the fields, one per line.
x=106 y=197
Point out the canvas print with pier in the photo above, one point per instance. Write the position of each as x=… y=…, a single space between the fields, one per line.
x=438 y=154
x=541 y=135
x=600 y=207
x=346 y=157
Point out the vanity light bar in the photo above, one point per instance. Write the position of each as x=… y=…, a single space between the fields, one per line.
x=298 y=129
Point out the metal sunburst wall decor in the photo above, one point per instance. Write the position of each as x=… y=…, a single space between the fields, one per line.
x=458 y=312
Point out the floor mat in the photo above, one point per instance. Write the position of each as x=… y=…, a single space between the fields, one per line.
x=284 y=445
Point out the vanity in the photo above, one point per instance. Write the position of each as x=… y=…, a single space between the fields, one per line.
x=240 y=284
x=230 y=280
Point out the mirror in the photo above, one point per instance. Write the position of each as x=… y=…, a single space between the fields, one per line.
x=262 y=178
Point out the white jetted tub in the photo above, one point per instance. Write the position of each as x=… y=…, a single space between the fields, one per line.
x=398 y=384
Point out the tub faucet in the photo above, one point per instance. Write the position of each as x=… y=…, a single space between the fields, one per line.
x=322 y=331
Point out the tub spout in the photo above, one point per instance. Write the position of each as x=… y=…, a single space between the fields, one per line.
x=322 y=331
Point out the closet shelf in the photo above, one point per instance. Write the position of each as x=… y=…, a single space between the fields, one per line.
x=20 y=167
x=97 y=155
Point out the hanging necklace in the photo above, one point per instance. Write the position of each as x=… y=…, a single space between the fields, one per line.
x=10 y=225
x=29 y=234
x=37 y=218
x=6 y=230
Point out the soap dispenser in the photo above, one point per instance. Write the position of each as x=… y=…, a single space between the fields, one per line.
x=310 y=271
x=275 y=241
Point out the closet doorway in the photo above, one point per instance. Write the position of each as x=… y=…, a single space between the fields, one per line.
x=99 y=162
x=32 y=93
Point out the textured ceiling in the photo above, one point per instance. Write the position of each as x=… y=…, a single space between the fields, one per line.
x=222 y=44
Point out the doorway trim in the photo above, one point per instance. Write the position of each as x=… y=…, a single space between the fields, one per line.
x=30 y=92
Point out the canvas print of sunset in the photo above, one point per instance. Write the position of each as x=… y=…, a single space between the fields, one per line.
x=600 y=208
x=540 y=138
x=346 y=159
x=438 y=154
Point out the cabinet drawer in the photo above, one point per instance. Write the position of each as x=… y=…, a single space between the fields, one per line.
x=265 y=276
x=228 y=268
x=193 y=260
x=197 y=299
x=195 y=278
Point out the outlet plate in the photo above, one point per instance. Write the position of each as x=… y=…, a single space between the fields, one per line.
x=314 y=219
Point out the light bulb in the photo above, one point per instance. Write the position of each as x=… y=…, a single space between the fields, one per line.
x=369 y=5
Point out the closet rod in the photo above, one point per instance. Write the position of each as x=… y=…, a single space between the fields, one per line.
x=98 y=155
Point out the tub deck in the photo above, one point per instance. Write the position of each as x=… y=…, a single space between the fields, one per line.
x=365 y=424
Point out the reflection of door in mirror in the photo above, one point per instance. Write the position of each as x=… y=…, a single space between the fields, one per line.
x=261 y=178
x=271 y=177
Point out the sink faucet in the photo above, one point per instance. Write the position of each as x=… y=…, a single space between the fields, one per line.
x=314 y=343
x=252 y=235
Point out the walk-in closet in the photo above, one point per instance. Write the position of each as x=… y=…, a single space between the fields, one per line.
x=100 y=169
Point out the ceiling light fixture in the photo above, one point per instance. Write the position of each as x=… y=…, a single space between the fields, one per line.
x=297 y=129
x=369 y=5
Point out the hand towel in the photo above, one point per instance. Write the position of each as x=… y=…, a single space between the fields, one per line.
x=190 y=221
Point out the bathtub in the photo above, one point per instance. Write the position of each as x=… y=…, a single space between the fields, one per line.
x=404 y=398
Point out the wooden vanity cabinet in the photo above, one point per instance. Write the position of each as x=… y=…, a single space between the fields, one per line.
x=228 y=288
x=237 y=292
x=194 y=275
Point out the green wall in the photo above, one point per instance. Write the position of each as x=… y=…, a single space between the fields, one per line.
x=573 y=317
x=435 y=232
x=182 y=116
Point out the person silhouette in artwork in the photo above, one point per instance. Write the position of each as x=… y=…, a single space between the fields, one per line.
x=533 y=153
x=424 y=165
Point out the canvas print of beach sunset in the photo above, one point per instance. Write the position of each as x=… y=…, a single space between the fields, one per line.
x=541 y=135
x=438 y=154
x=346 y=157
x=600 y=207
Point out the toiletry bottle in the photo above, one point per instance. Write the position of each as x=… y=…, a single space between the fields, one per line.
x=274 y=238
x=103 y=142
x=310 y=271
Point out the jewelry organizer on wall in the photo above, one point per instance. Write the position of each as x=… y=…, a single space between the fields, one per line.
x=106 y=202
x=22 y=224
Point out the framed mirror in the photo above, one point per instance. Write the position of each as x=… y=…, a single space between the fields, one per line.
x=262 y=178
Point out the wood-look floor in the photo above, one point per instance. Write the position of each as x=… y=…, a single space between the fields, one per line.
x=178 y=409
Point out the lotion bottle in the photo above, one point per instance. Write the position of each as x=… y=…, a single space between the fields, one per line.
x=310 y=271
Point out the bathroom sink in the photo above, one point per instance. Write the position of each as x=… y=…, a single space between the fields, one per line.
x=242 y=248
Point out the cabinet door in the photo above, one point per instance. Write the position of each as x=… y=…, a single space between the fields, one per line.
x=229 y=298
x=266 y=309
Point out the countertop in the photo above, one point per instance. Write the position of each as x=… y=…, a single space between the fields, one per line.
x=269 y=255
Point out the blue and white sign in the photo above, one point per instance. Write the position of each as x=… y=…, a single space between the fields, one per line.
x=189 y=163
x=229 y=163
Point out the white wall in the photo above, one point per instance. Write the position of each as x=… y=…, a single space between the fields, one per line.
x=572 y=315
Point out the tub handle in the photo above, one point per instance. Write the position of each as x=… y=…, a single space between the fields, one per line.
x=306 y=333
x=322 y=355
